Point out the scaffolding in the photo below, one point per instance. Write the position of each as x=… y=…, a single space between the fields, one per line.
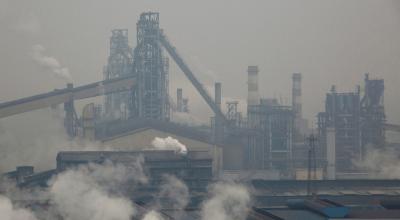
x=270 y=146
x=120 y=64
x=373 y=114
x=359 y=123
x=342 y=112
x=150 y=97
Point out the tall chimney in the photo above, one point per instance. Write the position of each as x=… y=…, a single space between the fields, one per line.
x=296 y=107
x=296 y=95
x=179 y=100
x=253 y=97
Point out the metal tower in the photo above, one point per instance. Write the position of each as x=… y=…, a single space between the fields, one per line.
x=150 y=97
x=120 y=64
x=373 y=113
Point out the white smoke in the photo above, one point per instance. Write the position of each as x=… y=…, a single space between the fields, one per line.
x=93 y=192
x=381 y=163
x=50 y=63
x=228 y=201
x=153 y=215
x=9 y=212
x=176 y=191
x=24 y=142
x=169 y=143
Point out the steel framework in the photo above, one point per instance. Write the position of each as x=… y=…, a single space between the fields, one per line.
x=150 y=97
x=120 y=64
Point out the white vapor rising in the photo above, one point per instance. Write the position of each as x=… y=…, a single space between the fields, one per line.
x=24 y=142
x=176 y=191
x=169 y=143
x=91 y=192
x=228 y=202
x=8 y=212
x=383 y=163
x=50 y=63
x=153 y=215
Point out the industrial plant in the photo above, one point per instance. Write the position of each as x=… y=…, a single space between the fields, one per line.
x=293 y=168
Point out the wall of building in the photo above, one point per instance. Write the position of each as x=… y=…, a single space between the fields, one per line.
x=142 y=139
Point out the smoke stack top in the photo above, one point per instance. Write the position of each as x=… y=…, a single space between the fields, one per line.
x=253 y=97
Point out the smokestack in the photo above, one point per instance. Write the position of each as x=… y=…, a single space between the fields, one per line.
x=296 y=106
x=179 y=100
x=331 y=153
x=253 y=98
x=296 y=95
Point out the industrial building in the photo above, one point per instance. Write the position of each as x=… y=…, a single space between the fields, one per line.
x=351 y=124
x=266 y=149
x=270 y=138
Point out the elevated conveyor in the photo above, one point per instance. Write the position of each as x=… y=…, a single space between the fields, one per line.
x=192 y=78
x=60 y=96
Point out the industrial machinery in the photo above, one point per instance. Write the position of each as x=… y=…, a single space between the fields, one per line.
x=137 y=85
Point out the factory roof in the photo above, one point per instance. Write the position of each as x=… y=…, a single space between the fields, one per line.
x=148 y=155
x=115 y=129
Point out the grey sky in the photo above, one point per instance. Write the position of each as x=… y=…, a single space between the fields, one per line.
x=330 y=42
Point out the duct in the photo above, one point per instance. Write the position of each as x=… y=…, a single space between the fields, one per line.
x=60 y=96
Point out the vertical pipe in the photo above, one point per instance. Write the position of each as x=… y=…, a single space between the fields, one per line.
x=179 y=100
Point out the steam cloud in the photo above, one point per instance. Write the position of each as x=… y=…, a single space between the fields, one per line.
x=50 y=63
x=96 y=193
x=8 y=212
x=169 y=143
x=23 y=142
x=381 y=163
x=228 y=202
x=153 y=215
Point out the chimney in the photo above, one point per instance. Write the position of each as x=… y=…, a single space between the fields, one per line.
x=253 y=98
x=296 y=107
x=179 y=100
x=331 y=153
x=296 y=95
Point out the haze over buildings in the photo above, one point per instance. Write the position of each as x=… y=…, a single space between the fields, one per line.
x=199 y=110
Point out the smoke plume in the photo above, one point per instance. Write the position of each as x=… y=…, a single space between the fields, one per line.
x=381 y=163
x=169 y=143
x=228 y=201
x=96 y=192
x=9 y=212
x=175 y=191
x=153 y=215
x=50 y=63
x=24 y=142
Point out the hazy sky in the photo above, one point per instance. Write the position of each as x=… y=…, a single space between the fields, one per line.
x=330 y=42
